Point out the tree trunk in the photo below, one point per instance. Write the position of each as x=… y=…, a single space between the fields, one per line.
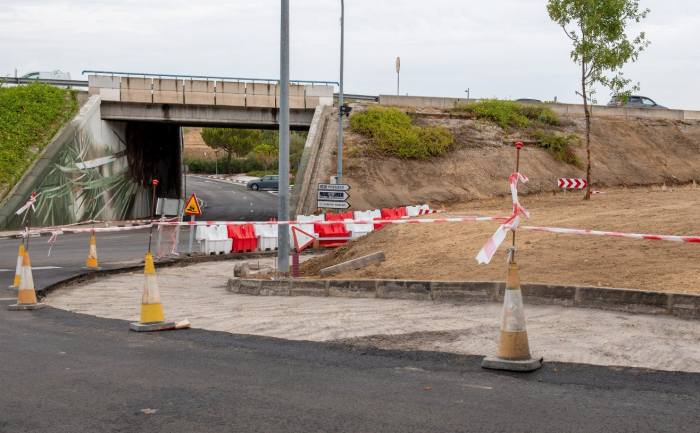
x=587 y=111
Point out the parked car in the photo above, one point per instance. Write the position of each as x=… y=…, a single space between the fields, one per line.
x=528 y=101
x=271 y=182
x=634 y=101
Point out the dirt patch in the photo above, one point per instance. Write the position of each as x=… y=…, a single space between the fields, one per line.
x=195 y=147
x=625 y=152
x=447 y=251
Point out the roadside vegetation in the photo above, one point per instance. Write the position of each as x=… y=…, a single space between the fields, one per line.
x=251 y=151
x=535 y=121
x=394 y=134
x=29 y=118
x=509 y=114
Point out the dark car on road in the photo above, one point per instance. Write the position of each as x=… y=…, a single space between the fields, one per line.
x=634 y=101
x=271 y=182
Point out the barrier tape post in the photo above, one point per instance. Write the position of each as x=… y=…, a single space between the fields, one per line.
x=513 y=346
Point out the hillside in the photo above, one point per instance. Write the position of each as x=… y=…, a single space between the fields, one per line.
x=29 y=117
x=625 y=153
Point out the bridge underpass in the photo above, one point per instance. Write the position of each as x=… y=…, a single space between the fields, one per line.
x=154 y=108
x=128 y=132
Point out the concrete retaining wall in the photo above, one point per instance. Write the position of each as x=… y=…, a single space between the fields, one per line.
x=563 y=109
x=634 y=301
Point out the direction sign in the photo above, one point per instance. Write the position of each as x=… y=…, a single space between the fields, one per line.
x=333 y=204
x=333 y=195
x=333 y=187
x=192 y=207
x=575 y=183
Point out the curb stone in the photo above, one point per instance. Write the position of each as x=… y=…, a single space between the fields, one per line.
x=680 y=305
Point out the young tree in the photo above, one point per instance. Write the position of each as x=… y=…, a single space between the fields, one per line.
x=601 y=46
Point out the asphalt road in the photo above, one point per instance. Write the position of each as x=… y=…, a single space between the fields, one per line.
x=223 y=201
x=65 y=372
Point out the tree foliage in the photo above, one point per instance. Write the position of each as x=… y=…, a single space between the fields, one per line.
x=238 y=142
x=598 y=30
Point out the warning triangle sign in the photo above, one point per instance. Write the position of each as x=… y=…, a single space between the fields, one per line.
x=192 y=206
x=302 y=239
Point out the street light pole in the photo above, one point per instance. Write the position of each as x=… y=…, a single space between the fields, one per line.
x=283 y=205
x=398 y=74
x=339 y=174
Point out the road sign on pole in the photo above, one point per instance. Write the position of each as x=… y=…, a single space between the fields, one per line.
x=333 y=204
x=333 y=195
x=333 y=187
x=192 y=207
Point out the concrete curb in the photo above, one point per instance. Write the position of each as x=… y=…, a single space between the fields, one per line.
x=604 y=298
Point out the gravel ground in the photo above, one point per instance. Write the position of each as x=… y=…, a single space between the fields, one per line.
x=198 y=292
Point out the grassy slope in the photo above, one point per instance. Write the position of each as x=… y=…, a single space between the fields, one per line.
x=29 y=117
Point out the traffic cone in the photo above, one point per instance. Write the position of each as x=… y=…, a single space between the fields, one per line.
x=18 y=269
x=513 y=346
x=26 y=296
x=91 y=261
x=152 y=316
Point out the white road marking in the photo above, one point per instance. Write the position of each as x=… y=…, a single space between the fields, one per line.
x=34 y=268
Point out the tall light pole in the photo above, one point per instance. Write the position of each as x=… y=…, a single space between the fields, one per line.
x=283 y=205
x=339 y=174
x=398 y=75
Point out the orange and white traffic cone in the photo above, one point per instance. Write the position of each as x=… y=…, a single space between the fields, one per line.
x=152 y=316
x=18 y=269
x=26 y=295
x=513 y=346
x=91 y=261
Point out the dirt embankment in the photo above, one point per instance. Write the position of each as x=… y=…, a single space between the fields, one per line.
x=448 y=251
x=195 y=147
x=625 y=152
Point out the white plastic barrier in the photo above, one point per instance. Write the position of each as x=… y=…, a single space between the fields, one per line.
x=267 y=236
x=359 y=230
x=215 y=240
x=413 y=211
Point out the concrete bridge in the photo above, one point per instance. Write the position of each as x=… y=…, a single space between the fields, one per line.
x=210 y=101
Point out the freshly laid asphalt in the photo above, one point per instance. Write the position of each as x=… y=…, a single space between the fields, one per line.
x=66 y=372
x=223 y=201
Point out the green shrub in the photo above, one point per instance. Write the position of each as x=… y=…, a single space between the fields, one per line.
x=29 y=118
x=559 y=145
x=509 y=114
x=394 y=134
x=235 y=166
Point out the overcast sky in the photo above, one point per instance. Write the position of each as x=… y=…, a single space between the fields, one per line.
x=497 y=48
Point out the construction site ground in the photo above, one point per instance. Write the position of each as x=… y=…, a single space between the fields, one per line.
x=198 y=292
x=447 y=251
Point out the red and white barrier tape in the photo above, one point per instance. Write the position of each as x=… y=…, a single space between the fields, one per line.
x=28 y=204
x=638 y=236
x=410 y=220
x=491 y=246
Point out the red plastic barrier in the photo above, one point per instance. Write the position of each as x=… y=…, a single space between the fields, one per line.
x=391 y=214
x=339 y=216
x=243 y=236
x=331 y=231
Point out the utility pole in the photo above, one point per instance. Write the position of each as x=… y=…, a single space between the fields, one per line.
x=339 y=174
x=468 y=91
x=283 y=205
x=398 y=75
